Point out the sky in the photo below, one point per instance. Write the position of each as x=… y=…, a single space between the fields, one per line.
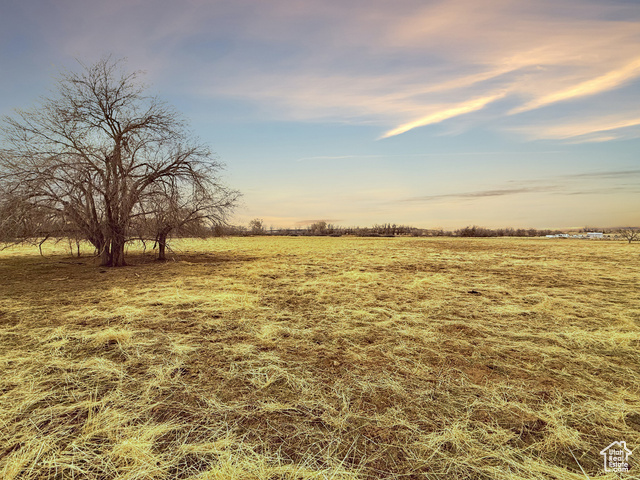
x=435 y=114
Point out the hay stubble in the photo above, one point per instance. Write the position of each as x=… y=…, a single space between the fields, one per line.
x=300 y=358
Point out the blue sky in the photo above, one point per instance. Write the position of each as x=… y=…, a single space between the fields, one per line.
x=428 y=113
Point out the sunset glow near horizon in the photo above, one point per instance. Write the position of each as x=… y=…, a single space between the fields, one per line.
x=435 y=114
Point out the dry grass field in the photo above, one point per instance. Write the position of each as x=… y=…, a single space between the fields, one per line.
x=321 y=358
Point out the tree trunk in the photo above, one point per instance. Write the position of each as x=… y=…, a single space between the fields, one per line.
x=117 y=252
x=162 y=246
x=113 y=253
x=105 y=255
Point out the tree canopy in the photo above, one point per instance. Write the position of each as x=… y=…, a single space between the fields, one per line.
x=102 y=157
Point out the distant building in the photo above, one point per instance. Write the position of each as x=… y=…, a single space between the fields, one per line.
x=595 y=235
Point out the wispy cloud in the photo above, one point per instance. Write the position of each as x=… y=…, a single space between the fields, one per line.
x=583 y=183
x=608 y=81
x=439 y=116
x=518 y=52
x=337 y=157
x=501 y=192
x=612 y=174
x=396 y=66
x=598 y=129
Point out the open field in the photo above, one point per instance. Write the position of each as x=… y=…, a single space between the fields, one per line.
x=322 y=358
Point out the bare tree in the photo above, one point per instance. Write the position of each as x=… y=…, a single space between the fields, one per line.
x=318 y=228
x=90 y=154
x=18 y=221
x=256 y=226
x=630 y=234
x=191 y=209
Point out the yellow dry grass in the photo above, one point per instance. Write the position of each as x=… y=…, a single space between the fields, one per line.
x=321 y=358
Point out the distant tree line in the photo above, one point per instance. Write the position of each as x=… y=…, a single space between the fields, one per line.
x=323 y=228
x=476 y=231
